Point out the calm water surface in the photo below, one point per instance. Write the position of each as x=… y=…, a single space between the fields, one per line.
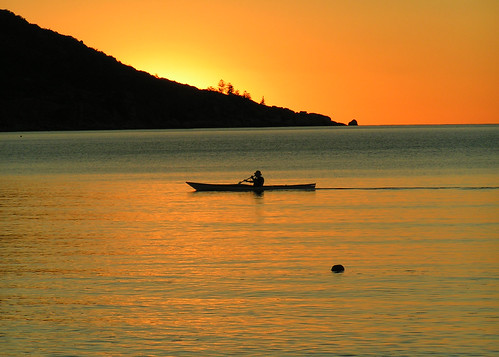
x=104 y=250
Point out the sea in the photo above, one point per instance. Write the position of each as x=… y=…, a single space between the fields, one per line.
x=106 y=251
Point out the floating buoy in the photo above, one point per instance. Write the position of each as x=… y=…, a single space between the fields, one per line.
x=338 y=268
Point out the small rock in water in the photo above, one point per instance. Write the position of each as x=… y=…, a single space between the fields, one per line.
x=338 y=268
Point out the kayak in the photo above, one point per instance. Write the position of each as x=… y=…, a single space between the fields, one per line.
x=244 y=187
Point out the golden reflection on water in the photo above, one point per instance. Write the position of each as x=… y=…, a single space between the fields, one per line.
x=151 y=261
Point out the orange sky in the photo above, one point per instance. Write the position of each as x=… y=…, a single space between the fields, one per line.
x=378 y=61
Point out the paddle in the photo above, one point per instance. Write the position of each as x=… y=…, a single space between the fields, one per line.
x=245 y=180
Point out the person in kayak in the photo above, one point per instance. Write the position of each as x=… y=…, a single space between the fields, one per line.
x=257 y=179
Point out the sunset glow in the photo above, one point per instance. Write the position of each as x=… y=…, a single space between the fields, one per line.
x=380 y=62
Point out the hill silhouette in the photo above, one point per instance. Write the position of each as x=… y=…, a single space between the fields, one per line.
x=55 y=82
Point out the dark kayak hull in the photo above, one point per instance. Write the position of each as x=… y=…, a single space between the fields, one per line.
x=244 y=187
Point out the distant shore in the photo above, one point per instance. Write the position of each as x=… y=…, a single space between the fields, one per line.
x=56 y=82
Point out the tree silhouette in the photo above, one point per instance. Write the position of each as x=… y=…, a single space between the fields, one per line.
x=221 y=86
x=230 y=89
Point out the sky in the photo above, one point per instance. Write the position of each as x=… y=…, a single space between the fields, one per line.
x=381 y=62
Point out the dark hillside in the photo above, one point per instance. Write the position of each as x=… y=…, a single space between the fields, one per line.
x=55 y=82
